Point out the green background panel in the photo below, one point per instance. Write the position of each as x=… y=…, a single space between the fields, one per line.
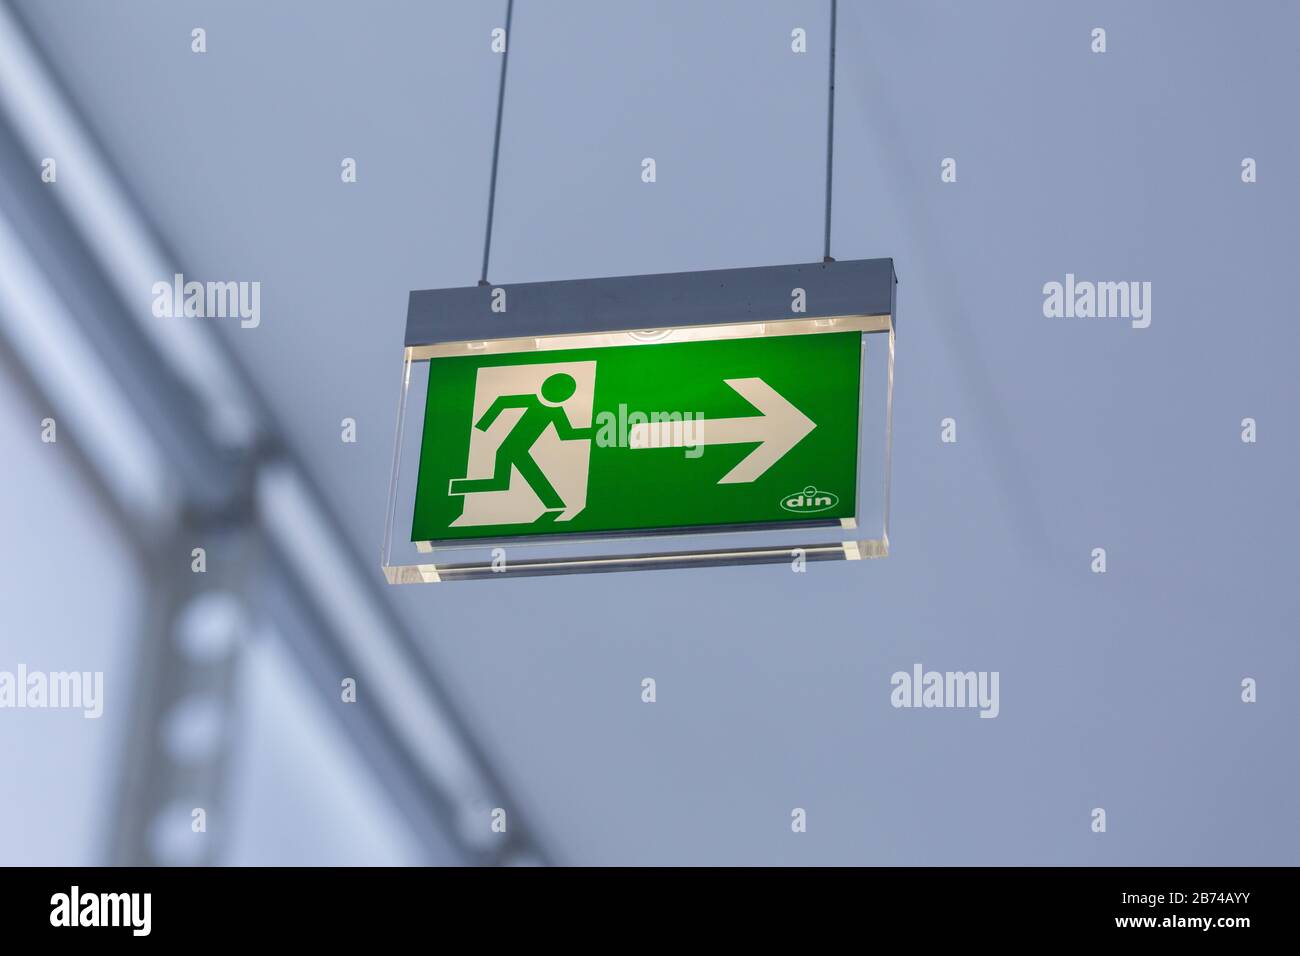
x=631 y=489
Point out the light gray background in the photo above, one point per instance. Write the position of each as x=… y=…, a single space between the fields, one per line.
x=1120 y=691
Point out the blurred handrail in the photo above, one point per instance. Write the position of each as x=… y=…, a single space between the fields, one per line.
x=90 y=254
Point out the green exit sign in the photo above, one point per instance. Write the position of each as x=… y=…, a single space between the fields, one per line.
x=644 y=422
x=640 y=437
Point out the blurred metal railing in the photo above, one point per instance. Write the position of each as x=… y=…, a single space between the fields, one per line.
x=184 y=452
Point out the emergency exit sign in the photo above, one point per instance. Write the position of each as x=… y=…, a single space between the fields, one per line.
x=641 y=437
x=734 y=416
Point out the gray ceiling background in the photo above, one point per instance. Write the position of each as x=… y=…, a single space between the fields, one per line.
x=1119 y=690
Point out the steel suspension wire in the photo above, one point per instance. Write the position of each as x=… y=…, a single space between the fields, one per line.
x=830 y=135
x=496 y=144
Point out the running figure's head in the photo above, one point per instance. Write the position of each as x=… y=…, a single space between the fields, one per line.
x=558 y=388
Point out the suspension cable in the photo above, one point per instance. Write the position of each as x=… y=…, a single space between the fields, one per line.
x=496 y=144
x=830 y=135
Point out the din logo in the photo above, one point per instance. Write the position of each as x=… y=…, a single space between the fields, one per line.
x=809 y=501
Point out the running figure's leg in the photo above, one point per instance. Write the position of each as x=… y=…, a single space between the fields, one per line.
x=533 y=474
x=500 y=479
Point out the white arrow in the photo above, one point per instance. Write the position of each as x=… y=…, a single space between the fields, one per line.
x=778 y=427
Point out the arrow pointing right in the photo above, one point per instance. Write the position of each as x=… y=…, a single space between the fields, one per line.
x=777 y=428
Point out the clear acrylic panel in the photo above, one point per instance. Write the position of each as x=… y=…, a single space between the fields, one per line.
x=813 y=522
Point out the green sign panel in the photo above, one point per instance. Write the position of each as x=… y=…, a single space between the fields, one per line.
x=640 y=437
